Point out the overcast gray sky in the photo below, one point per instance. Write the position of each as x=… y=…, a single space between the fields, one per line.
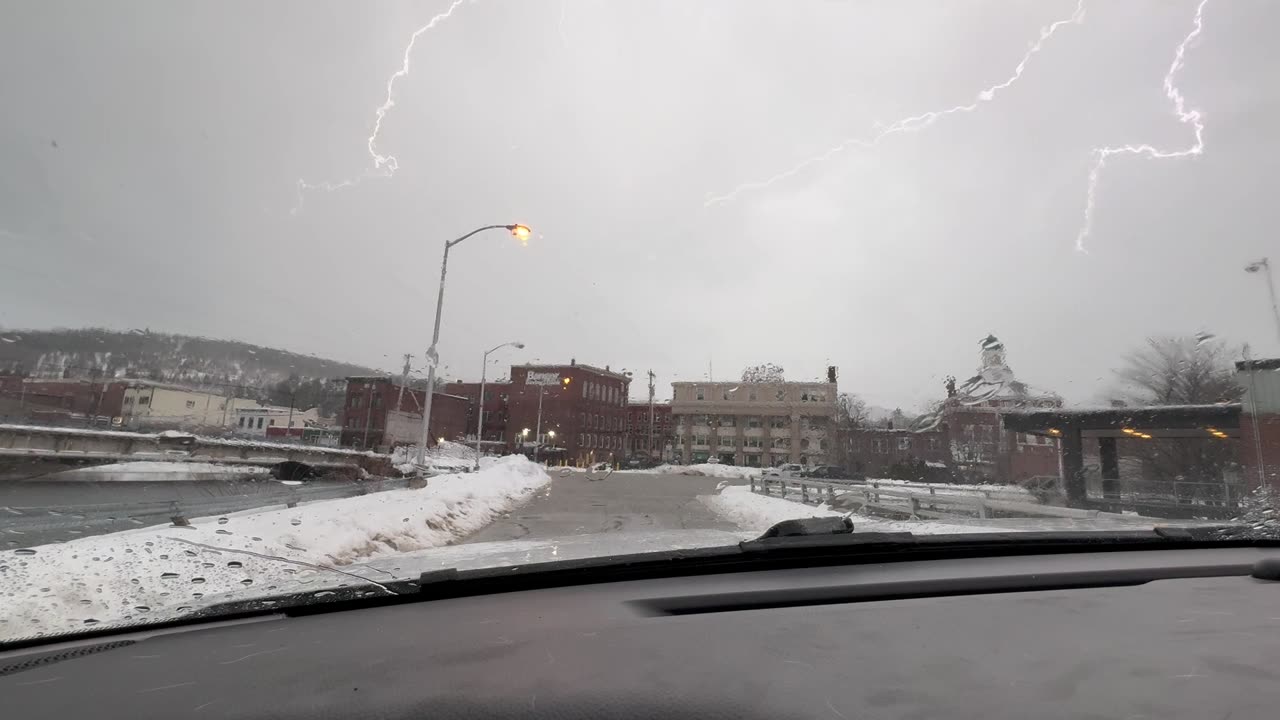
x=182 y=129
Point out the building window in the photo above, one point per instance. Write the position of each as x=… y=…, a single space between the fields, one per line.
x=271 y=422
x=700 y=394
x=781 y=443
x=904 y=443
x=751 y=442
x=259 y=423
x=879 y=445
x=778 y=422
x=144 y=400
x=753 y=421
x=241 y=421
x=780 y=394
x=355 y=401
x=728 y=421
x=700 y=440
x=752 y=395
x=727 y=442
x=822 y=445
x=191 y=404
x=933 y=443
x=584 y=389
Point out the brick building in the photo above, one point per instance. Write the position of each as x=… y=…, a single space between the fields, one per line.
x=377 y=414
x=584 y=406
x=1260 y=422
x=886 y=452
x=497 y=410
x=654 y=440
x=966 y=432
x=23 y=398
x=753 y=424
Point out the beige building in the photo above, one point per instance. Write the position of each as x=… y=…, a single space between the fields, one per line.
x=753 y=424
x=256 y=420
x=153 y=404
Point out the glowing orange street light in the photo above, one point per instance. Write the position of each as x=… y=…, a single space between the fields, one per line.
x=521 y=233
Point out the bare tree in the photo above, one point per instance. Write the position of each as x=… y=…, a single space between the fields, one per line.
x=851 y=411
x=1179 y=371
x=764 y=373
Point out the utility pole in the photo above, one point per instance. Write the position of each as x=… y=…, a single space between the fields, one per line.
x=1262 y=264
x=404 y=380
x=650 y=414
x=537 y=428
x=368 y=415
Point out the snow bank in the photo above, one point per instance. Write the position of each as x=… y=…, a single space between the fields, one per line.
x=160 y=572
x=145 y=471
x=1001 y=492
x=730 y=472
x=447 y=456
x=756 y=513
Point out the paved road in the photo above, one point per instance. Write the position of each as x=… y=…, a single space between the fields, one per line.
x=576 y=505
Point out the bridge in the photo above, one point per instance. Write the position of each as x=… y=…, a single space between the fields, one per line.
x=28 y=451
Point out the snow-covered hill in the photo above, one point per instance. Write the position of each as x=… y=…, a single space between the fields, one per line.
x=93 y=352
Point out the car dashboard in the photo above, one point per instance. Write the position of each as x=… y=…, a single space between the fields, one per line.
x=1171 y=633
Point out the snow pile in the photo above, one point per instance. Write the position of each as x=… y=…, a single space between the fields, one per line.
x=159 y=572
x=717 y=470
x=146 y=471
x=1012 y=493
x=447 y=456
x=756 y=513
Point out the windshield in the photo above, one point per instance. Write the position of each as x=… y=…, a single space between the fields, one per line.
x=309 y=298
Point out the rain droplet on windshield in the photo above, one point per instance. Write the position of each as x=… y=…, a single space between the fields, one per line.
x=90 y=621
x=246 y=582
x=169 y=576
x=198 y=581
x=142 y=608
x=222 y=521
x=235 y=564
x=295 y=521
x=223 y=532
x=24 y=551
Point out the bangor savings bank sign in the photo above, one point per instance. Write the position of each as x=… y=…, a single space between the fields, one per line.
x=542 y=378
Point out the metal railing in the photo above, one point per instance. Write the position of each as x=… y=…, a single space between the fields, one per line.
x=913 y=503
x=20 y=523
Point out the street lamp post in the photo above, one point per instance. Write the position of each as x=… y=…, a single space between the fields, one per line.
x=1261 y=265
x=521 y=233
x=537 y=428
x=484 y=367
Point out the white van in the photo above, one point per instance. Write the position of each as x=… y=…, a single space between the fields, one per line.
x=789 y=471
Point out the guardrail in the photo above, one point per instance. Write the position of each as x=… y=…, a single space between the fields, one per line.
x=933 y=503
x=20 y=523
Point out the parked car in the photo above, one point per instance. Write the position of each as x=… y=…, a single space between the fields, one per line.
x=833 y=472
x=785 y=471
x=640 y=462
